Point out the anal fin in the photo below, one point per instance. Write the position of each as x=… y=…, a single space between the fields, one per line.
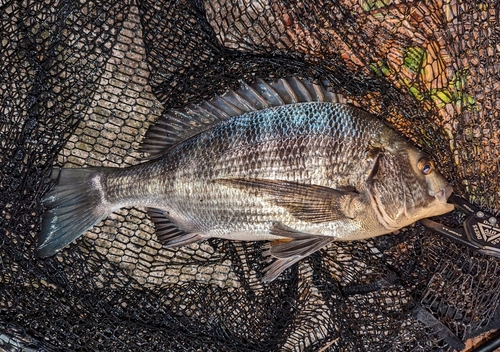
x=167 y=233
x=290 y=252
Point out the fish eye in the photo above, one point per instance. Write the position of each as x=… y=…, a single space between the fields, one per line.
x=425 y=165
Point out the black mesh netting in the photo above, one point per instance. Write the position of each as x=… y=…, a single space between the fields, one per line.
x=80 y=83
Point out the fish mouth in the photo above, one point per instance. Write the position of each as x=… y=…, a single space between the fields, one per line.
x=444 y=194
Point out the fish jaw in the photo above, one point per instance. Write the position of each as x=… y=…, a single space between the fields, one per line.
x=442 y=199
x=438 y=206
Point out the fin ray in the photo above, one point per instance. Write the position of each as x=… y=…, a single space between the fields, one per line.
x=311 y=203
x=178 y=125
x=286 y=254
x=168 y=233
x=72 y=208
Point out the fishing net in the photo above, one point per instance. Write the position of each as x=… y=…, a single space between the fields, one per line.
x=81 y=81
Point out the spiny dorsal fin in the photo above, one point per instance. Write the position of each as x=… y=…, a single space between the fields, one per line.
x=178 y=125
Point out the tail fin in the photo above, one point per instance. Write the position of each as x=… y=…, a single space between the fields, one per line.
x=72 y=207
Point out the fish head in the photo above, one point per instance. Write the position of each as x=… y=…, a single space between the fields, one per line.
x=404 y=184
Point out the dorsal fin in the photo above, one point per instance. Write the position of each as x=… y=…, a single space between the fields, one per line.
x=178 y=125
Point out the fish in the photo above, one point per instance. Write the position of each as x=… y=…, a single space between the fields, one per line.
x=285 y=161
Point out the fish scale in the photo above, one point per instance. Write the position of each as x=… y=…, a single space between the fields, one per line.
x=270 y=154
x=284 y=161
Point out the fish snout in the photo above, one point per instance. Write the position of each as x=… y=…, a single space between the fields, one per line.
x=444 y=194
x=442 y=197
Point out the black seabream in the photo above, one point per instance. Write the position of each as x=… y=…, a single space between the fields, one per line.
x=286 y=161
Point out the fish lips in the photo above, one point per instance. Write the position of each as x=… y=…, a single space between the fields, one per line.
x=443 y=195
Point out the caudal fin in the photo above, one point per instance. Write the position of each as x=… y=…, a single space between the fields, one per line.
x=72 y=207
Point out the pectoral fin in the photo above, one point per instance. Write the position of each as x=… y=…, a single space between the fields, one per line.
x=167 y=233
x=310 y=203
x=288 y=253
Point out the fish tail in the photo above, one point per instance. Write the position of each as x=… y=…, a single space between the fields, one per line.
x=75 y=205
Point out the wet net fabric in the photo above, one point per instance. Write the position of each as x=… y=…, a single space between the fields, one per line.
x=80 y=83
